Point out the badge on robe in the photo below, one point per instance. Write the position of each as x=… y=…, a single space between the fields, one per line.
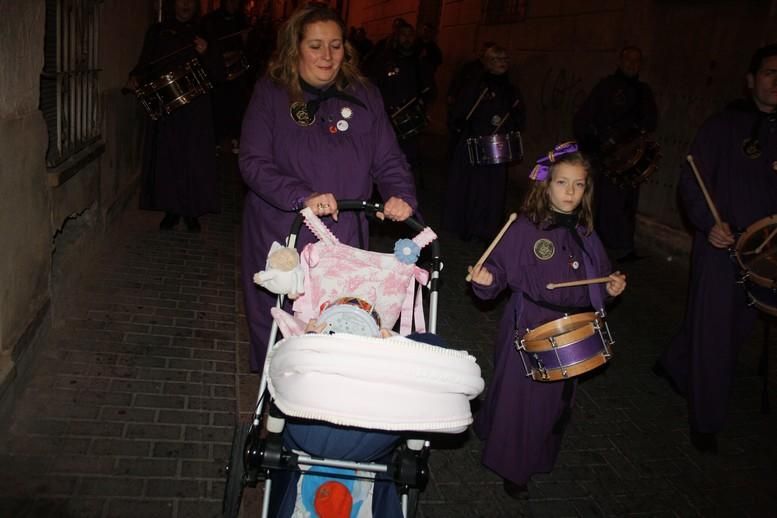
x=496 y=120
x=544 y=249
x=751 y=148
x=299 y=112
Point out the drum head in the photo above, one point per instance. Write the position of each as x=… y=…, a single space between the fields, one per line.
x=756 y=252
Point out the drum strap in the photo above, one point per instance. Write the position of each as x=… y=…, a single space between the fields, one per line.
x=569 y=310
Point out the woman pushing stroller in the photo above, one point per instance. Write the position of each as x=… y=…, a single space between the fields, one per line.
x=314 y=132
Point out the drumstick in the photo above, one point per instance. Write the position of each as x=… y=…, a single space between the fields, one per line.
x=584 y=282
x=766 y=241
x=477 y=103
x=493 y=244
x=710 y=204
x=504 y=119
x=409 y=103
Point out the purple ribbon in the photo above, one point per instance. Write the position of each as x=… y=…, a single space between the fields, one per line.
x=540 y=171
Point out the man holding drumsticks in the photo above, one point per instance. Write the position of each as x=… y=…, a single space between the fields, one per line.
x=736 y=155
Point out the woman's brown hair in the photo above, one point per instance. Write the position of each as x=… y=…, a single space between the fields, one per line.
x=537 y=208
x=283 y=68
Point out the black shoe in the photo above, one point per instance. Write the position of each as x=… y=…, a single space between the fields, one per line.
x=704 y=442
x=192 y=225
x=659 y=370
x=169 y=221
x=515 y=491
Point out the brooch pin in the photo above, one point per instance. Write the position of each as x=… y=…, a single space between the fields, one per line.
x=544 y=249
x=751 y=148
x=299 y=113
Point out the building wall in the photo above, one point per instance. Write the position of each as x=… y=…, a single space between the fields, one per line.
x=49 y=232
x=696 y=54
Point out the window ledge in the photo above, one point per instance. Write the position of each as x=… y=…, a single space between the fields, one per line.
x=60 y=174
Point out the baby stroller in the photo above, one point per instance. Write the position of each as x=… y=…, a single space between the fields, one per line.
x=341 y=422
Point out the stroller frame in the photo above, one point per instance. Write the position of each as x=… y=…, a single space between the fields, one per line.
x=257 y=447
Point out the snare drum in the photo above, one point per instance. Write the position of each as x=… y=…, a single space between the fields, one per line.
x=566 y=347
x=410 y=121
x=174 y=89
x=501 y=148
x=236 y=64
x=632 y=159
x=756 y=253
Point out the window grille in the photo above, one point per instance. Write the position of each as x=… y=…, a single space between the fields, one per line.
x=504 y=11
x=69 y=94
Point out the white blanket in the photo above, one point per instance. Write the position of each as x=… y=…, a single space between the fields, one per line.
x=387 y=384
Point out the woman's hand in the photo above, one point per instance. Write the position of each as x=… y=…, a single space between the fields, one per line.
x=480 y=275
x=396 y=209
x=322 y=204
x=617 y=284
x=200 y=45
x=720 y=236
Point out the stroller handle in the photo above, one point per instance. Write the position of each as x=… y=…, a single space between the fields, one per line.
x=372 y=207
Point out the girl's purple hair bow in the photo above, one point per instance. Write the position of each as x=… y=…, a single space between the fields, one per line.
x=540 y=171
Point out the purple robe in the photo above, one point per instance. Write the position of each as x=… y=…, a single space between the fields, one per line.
x=519 y=415
x=474 y=202
x=282 y=163
x=702 y=358
x=179 y=161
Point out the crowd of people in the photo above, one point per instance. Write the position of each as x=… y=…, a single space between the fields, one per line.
x=333 y=115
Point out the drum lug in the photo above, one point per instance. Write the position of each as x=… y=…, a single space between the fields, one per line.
x=542 y=370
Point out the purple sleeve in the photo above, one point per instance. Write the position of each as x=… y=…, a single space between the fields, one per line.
x=501 y=265
x=257 y=165
x=704 y=151
x=390 y=171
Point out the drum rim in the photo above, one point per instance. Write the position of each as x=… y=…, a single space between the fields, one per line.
x=538 y=333
x=573 y=369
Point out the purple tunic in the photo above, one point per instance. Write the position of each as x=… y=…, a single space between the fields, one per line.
x=518 y=417
x=702 y=357
x=179 y=160
x=282 y=163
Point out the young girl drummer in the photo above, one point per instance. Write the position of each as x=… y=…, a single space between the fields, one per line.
x=552 y=241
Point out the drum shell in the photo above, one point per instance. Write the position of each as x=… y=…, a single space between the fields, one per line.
x=758 y=271
x=566 y=347
x=500 y=148
x=632 y=161
x=174 y=89
x=410 y=121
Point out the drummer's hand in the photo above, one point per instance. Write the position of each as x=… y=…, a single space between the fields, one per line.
x=720 y=236
x=322 y=204
x=480 y=275
x=200 y=45
x=616 y=285
x=395 y=209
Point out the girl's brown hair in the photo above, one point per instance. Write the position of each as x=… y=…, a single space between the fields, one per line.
x=283 y=68
x=536 y=206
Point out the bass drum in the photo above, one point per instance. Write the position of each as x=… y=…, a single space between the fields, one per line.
x=174 y=89
x=630 y=158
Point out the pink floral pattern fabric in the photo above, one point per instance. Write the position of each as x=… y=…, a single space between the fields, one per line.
x=333 y=270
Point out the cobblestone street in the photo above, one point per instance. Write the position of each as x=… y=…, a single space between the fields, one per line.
x=128 y=410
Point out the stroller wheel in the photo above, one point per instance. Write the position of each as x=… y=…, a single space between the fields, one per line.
x=233 y=490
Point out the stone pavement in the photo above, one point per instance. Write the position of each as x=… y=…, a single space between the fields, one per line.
x=129 y=408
